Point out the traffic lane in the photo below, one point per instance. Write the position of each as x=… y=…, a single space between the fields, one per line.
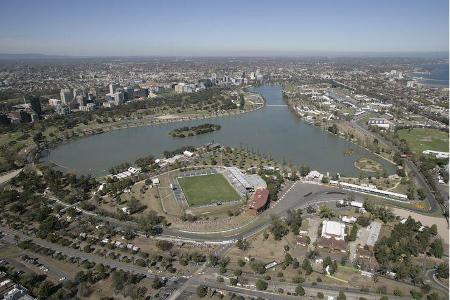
x=352 y=294
x=420 y=181
x=299 y=196
x=83 y=255
x=431 y=277
x=303 y=194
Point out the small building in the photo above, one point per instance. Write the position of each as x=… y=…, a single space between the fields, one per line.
x=303 y=240
x=259 y=201
x=347 y=219
x=437 y=154
x=379 y=122
x=374 y=231
x=155 y=181
x=188 y=153
x=270 y=265
x=54 y=102
x=314 y=176
x=332 y=229
x=332 y=244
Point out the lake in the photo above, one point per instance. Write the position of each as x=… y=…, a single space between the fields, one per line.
x=273 y=130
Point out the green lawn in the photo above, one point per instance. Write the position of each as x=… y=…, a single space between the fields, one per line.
x=203 y=190
x=420 y=139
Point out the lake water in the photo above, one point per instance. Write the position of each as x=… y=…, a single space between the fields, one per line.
x=273 y=130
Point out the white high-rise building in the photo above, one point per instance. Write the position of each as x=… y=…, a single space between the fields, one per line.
x=66 y=96
x=113 y=87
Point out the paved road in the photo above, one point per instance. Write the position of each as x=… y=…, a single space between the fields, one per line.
x=431 y=276
x=249 y=289
x=294 y=198
x=419 y=178
x=77 y=253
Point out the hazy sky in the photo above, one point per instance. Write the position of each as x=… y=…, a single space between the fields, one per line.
x=222 y=27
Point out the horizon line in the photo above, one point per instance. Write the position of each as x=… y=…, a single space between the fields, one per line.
x=319 y=54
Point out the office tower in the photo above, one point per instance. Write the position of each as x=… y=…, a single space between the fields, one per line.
x=66 y=96
x=113 y=87
x=36 y=105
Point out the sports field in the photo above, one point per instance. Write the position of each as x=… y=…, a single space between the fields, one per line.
x=420 y=139
x=207 y=189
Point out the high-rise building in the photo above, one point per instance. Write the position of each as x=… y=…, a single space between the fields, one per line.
x=62 y=110
x=118 y=98
x=80 y=100
x=78 y=92
x=129 y=93
x=113 y=88
x=25 y=117
x=4 y=119
x=36 y=105
x=66 y=96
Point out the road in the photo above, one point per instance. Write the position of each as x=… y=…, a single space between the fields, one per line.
x=419 y=178
x=294 y=198
x=430 y=275
x=77 y=253
x=249 y=290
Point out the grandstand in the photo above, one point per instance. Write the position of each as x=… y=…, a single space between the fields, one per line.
x=372 y=191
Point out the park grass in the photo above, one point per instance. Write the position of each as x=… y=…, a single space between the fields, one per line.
x=420 y=139
x=207 y=189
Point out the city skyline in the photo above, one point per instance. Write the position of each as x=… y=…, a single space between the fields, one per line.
x=224 y=29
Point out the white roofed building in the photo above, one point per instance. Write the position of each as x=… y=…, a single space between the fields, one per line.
x=332 y=229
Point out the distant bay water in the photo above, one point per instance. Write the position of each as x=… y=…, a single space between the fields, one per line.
x=437 y=77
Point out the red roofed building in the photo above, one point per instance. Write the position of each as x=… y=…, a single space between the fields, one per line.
x=259 y=202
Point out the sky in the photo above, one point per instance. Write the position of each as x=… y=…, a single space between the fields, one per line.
x=222 y=28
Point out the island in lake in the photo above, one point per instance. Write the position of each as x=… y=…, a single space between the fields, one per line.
x=194 y=130
x=368 y=165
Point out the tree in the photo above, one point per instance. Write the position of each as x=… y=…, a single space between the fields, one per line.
x=416 y=294
x=436 y=248
x=234 y=281
x=353 y=233
x=157 y=283
x=118 y=279
x=299 y=290
x=306 y=265
x=442 y=270
x=325 y=212
x=202 y=291
x=287 y=259
x=433 y=296
x=363 y=221
x=433 y=229
x=241 y=101
x=164 y=245
x=421 y=194
x=45 y=289
x=341 y=296
x=278 y=229
x=320 y=295
x=243 y=244
x=241 y=262
x=151 y=223
x=261 y=285
x=333 y=129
